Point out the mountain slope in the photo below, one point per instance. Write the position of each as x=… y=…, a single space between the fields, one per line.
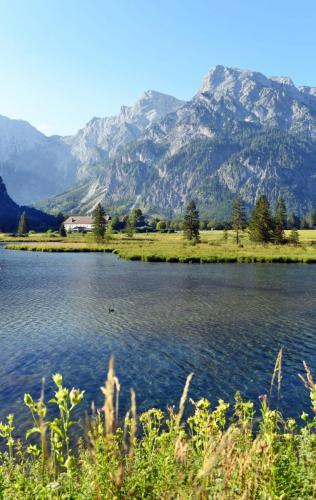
x=36 y=166
x=101 y=138
x=241 y=132
x=10 y=213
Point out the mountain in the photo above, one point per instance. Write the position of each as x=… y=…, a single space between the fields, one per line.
x=241 y=132
x=10 y=213
x=102 y=138
x=35 y=166
x=254 y=98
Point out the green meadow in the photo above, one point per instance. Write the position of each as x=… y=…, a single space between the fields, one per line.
x=215 y=246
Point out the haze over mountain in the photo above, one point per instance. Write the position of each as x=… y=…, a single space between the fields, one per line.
x=35 y=166
x=10 y=213
x=241 y=132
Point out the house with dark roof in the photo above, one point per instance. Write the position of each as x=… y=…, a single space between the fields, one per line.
x=82 y=223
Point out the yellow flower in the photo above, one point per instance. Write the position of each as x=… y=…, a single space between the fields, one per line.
x=58 y=379
x=76 y=396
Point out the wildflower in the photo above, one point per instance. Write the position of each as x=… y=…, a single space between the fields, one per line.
x=291 y=423
x=61 y=395
x=28 y=400
x=32 y=449
x=76 y=396
x=10 y=418
x=58 y=379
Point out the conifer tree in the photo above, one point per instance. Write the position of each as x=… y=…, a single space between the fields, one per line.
x=293 y=221
x=98 y=223
x=311 y=219
x=280 y=219
x=62 y=231
x=294 y=237
x=60 y=218
x=129 y=227
x=23 y=227
x=239 y=221
x=191 y=224
x=261 y=224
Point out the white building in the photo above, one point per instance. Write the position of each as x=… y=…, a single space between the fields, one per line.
x=81 y=223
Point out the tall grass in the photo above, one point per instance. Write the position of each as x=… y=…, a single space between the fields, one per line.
x=217 y=452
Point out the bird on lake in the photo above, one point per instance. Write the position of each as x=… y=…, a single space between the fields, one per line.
x=111 y=309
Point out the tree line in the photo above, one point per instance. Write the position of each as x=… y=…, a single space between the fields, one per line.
x=263 y=226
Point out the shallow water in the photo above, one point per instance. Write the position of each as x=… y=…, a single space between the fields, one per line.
x=224 y=322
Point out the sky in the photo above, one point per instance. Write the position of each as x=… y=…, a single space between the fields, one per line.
x=63 y=62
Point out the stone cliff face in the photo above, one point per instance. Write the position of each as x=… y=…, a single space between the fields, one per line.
x=35 y=166
x=102 y=138
x=242 y=132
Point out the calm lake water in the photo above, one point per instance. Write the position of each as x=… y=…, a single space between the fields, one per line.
x=224 y=322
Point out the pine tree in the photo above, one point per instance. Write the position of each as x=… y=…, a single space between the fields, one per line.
x=23 y=227
x=239 y=221
x=293 y=221
x=261 y=224
x=294 y=237
x=62 y=231
x=191 y=223
x=311 y=219
x=60 y=218
x=129 y=227
x=280 y=219
x=98 y=223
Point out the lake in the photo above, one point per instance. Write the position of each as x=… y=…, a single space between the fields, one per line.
x=224 y=322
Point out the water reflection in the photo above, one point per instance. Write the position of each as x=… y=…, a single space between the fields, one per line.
x=225 y=323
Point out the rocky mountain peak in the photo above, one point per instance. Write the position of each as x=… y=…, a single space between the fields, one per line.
x=253 y=97
x=308 y=90
x=151 y=106
x=101 y=138
x=221 y=80
x=17 y=136
x=283 y=80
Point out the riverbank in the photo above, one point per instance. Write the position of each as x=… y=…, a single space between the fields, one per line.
x=214 y=453
x=156 y=247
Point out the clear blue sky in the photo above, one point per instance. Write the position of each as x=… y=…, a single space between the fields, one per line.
x=65 y=61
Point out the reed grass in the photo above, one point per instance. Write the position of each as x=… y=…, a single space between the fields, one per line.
x=217 y=452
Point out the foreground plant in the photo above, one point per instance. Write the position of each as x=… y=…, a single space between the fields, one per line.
x=226 y=451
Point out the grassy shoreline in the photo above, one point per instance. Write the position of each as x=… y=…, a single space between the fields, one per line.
x=214 y=248
x=214 y=453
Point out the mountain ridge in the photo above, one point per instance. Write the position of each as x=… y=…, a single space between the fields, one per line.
x=160 y=152
x=28 y=157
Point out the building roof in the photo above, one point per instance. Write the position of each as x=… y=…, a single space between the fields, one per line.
x=83 y=219
x=79 y=219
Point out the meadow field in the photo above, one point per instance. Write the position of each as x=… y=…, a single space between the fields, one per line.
x=215 y=246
